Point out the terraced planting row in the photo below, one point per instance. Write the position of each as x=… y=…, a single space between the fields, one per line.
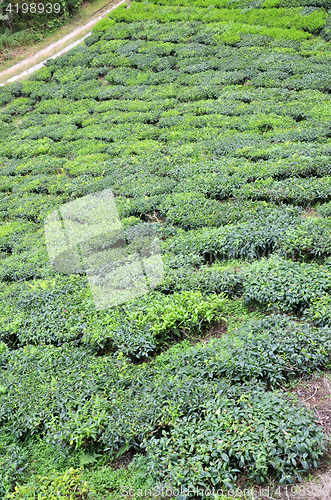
x=210 y=123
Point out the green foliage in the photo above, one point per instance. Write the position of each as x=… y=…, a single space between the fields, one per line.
x=22 y=22
x=12 y=460
x=285 y=285
x=259 y=234
x=192 y=210
x=104 y=24
x=66 y=486
x=181 y=311
x=58 y=311
x=134 y=342
x=311 y=22
x=310 y=239
x=205 y=450
x=107 y=406
x=47 y=311
x=9 y=40
x=180 y=275
x=276 y=348
x=320 y=311
x=26 y=23
x=264 y=350
x=271 y=350
x=209 y=121
x=297 y=191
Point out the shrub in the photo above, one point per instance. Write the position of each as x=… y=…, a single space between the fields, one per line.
x=187 y=310
x=192 y=210
x=205 y=450
x=117 y=403
x=248 y=239
x=25 y=265
x=277 y=348
x=324 y=209
x=310 y=239
x=134 y=343
x=13 y=462
x=102 y=25
x=55 y=486
x=255 y=239
x=54 y=311
x=271 y=350
x=18 y=106
x=297 y=191
x=180 y=276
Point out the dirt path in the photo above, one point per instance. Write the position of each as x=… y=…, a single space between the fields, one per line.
x=31 y=64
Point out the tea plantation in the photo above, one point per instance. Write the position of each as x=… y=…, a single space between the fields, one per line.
x=210 y=121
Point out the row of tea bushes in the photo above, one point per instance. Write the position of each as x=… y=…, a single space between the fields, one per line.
x=290 y=286
x=281 y=18
x=58 y=311
x=265 y=231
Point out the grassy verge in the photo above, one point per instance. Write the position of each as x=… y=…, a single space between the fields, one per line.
x=30 y=47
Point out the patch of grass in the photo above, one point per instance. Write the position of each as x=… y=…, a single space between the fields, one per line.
x=236 y=312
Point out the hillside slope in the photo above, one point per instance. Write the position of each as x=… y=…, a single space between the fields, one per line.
x=210 y=123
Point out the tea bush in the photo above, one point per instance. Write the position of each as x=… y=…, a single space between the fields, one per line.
x=60 y=311
x=285 y=285
x=187 y=310
x=297 y=191
x=206 y=451
x=271 y=350
x=310 y=239
x=251 y=239
x=101 y=414
x=180 y=275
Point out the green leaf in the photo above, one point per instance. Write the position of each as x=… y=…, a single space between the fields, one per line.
x=122 y=449
x=86 y=458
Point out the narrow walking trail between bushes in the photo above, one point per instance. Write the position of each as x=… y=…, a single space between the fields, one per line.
x=35 y=62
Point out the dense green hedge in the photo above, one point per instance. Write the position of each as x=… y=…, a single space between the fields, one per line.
x=289 y=286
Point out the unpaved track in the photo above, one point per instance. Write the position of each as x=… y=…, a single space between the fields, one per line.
x=37 y=61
